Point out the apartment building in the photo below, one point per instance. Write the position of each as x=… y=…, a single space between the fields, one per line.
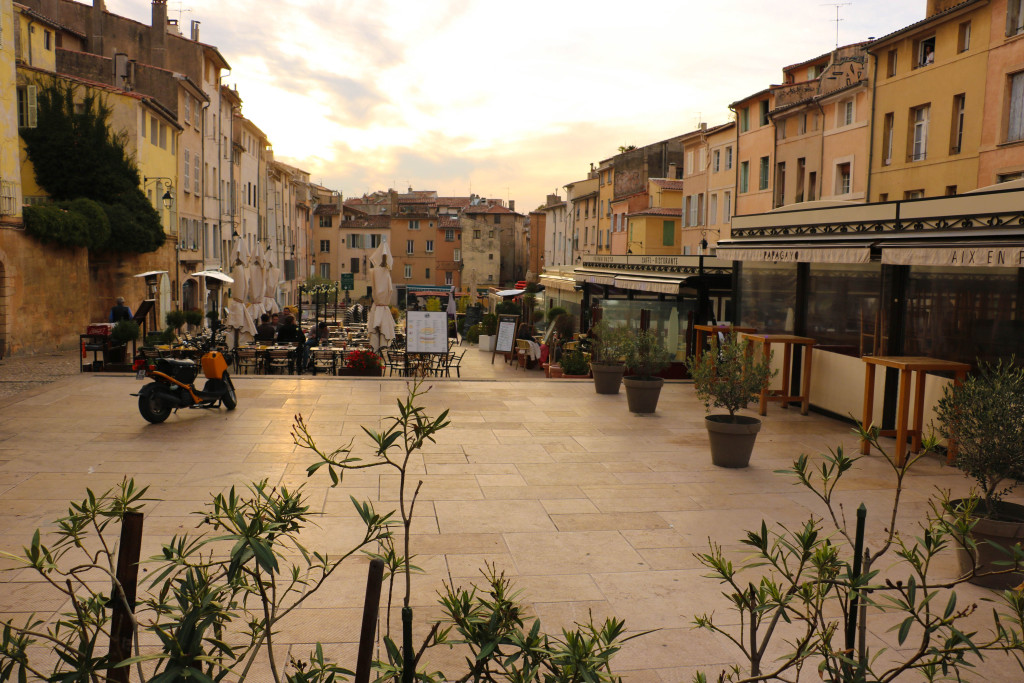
x=557 y=231
x=10 y=172
x=721 y=184
x=582 y=199
x=755 y=144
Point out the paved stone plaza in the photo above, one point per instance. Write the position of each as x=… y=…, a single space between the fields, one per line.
x=590 y=507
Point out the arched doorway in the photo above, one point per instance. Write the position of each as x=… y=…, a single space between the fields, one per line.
x=189 y=295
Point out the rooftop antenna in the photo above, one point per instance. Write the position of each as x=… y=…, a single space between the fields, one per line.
x=837 y=5
x=181 y=10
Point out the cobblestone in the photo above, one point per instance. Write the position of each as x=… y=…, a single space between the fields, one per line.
x=22 y=373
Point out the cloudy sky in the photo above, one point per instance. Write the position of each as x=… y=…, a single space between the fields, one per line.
x=504 y=99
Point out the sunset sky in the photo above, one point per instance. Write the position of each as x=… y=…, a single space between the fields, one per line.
x=504 y=99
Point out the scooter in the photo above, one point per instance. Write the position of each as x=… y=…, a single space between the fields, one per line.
x=173 y=384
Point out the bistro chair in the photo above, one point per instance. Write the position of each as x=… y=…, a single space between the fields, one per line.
x=326 y=360
x=279 y=359
x=246 y=359
x=454 y=362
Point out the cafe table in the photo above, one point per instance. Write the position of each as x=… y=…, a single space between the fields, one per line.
x=787 y=341
x=908 y=366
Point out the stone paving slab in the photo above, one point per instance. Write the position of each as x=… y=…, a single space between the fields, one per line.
x=590 y=508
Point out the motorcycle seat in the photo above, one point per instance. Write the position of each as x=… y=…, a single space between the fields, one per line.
x=178 y=363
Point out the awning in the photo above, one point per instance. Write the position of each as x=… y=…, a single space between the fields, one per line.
x=659 y=285
x=214 y=275
x=595 y=277
x=566 y=284
x=1000 y=254
x=793 y=252
x=510 y=292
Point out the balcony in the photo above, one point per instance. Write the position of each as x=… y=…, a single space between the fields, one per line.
x=447 y=265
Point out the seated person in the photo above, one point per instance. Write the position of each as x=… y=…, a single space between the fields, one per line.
x=290 y=332
x=319 y=339
x=265 y=331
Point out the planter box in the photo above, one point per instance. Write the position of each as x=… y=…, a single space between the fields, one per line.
x=487 y=342
x=352 y=372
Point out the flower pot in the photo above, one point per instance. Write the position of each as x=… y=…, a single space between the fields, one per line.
x=487 y=342
x=1002 y=533
x=732 y=439
x=607 y=378
x=555 y=370
x=642 y=393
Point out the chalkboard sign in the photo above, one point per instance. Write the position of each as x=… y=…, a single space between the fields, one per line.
x=506 y=340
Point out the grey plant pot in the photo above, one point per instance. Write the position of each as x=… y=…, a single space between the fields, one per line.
x=642 y=394
x=1003 y=533
x=732 y=439
x=607 y=378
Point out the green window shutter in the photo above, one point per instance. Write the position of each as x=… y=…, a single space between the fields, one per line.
x=668 y=229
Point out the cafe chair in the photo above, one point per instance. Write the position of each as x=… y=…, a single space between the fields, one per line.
x=279 y=360
x=247 y=359
x=325 y=360
x=454 y=362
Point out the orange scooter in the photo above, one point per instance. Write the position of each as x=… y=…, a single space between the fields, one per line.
x=173 y=384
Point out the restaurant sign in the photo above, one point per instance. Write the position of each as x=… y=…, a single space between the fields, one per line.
x=638 y=259
x=982 y=256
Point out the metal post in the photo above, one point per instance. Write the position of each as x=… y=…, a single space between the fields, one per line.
x=858 y=550
x=408 y=656
x=367 y=635
x=121 y=629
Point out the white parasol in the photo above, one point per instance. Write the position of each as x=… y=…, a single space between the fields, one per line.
x=271 y=280
x=380 y=323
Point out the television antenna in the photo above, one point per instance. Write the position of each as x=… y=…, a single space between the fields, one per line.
x=837 y=5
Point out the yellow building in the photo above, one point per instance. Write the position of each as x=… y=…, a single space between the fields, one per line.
x=605 y=196
x=658 y=228
x=151 y=133
x=10 y=172
x=928 y=100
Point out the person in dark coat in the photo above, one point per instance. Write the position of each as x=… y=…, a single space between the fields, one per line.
x=265 y=331
x=120 y=311
x=290 y=332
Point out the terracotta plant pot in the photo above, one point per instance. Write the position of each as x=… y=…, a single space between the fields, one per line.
x=1003 y=533
x=642 y=394
x=732 y=439
x=607 y=378
x=555 y=370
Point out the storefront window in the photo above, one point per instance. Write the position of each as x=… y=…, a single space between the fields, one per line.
x=669 y=319
x=843 y=313
x=768 y=296
x=964 y=314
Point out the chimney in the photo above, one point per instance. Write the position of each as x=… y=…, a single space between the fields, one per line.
x=338 y=201
x=511 y=205
x=194 y=33
x=99 y=7
x=672 y=170
x=158 y=34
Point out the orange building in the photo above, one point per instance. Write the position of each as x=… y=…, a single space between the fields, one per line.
x=1001 y=154
x=755 y=138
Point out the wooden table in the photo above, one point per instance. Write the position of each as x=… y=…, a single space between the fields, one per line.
x=704 y=330
x=783 y=395
x=907 y=365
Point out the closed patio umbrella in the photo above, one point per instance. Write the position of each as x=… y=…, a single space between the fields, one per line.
x=380 y=323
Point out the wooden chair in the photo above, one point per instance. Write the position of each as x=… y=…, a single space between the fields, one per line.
x=326 y=360
x=522 y=351
x=279 y=359
x=246 y=359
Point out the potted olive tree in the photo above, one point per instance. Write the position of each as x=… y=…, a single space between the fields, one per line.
x=608 y=348
x=645 y=356
x=985 y=416
x=729 y=377
x=574 y=364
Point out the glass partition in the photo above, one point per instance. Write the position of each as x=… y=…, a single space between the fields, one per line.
x=768 y=296
x=843 y=313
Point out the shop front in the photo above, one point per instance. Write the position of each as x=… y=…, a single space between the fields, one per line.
x=940 y=278
x=678 y=291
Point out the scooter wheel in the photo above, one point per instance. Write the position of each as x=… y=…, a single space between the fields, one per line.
x=230 y=400
x=154 y=407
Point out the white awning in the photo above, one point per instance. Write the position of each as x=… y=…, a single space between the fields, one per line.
x=790 y=252
x=660 y=285
x=509 y=292
x=214 y=275
x=595 y=277
x=566 y=284
x=1003 y=254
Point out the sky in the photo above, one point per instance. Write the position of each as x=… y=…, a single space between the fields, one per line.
x=503 y=99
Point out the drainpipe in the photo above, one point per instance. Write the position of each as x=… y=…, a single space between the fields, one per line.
x=205 y=189
x=821 y=150
x=735 y=171
x=871 y=130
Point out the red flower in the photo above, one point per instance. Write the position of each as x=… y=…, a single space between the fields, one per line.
x=363 y=360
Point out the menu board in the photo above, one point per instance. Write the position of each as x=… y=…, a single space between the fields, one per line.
x=426 y=332
x=506 y=335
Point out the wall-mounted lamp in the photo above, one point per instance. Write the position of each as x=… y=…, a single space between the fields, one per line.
x=167 y=200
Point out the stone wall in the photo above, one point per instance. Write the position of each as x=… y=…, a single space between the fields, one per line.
x=48 y=295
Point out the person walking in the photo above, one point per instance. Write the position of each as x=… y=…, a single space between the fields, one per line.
x=120 y=311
